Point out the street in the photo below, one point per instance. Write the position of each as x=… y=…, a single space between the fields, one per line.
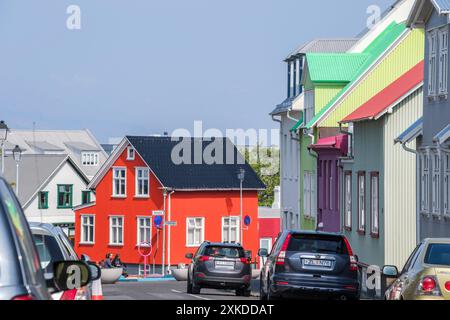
x=168 y=290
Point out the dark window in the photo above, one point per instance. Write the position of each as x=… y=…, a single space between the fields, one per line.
x=317 y=244
x=224 y=252
x=43 y=200
x=85 y=197
x=49 y=251
x=438 y=254
x=64 y=196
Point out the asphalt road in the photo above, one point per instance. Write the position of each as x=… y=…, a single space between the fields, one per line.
x=168 y=290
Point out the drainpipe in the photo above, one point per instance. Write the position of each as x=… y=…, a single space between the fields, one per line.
x=416 y=153
x=163 y=273
x=312 y=153
x=169 y=233
x=350 y=135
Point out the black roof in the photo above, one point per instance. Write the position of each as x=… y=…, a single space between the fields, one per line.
x=190 y=175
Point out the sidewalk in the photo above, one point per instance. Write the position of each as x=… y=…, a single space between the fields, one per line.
x=150 y=278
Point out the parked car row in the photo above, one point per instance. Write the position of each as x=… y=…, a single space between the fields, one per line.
x=317 y=265
x=37 y=264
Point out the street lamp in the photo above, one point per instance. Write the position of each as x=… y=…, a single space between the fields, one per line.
x=17 y=154
x=3 y=135
x=241 y=177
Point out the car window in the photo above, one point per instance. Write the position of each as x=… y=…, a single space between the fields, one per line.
x=224 y=252
x=410 y=259
x=317 y=243
x=30 y=258
x=49 y=251
x=438 y=254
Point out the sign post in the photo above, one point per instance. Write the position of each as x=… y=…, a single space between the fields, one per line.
x=145 y=255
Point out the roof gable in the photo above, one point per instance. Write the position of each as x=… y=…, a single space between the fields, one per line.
x=389 y=96
x=423 y=9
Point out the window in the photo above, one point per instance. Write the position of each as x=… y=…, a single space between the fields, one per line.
x=230 y=229
x=374 y=204
x=425 y=183
x=436 y=188
x=195 y=231
x=43 y=200
x=130 y=153
x=119 y=182
x=142 y=182
x=89 y=159
x=85 y=197
x=362 y=202
x=443 y=61
x=447 y=184
x=116 y=231
x=307 y=194
x=348 y=200
x=65 y=196
x=87 y=229
x=144 y=232
x=331 y=187
x=432 y=63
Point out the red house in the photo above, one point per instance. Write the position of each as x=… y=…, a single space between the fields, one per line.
x=192 y=184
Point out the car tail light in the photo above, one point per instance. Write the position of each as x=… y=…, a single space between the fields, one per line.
x=69 y=295
x=447 y=286
x=203 y=258
x=282 y=254
x=353 y=262
x=429 y=286
x=24 y=297
x=245 y=261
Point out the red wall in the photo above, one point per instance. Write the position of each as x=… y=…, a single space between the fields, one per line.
x=269 y=228
x=210 y=205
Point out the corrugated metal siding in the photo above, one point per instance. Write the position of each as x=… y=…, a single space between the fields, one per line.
x=405 y=56
x=324 y=94
x=400 y=183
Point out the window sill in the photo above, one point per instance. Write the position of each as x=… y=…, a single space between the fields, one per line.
x=362 y=232
x=118 y=197
x=69 y=208
x=115 y=245
x=43 y=208
x=193 y=245
x=375 y=235
x=142 y=197
x=86 y=243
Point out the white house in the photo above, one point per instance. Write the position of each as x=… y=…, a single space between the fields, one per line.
x=49 y=186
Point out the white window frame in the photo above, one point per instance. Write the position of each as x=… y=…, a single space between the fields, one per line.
x=111 y=230
x=202 y=233
x=83 y=224
x=425 y=182
x=348 y=200
x=131 y=153
x=443 y=61
x=139 y=227
x=436 y=183
x=229 y=228
x=447 y=184
x=143 y=179
x=375 y=204
x=361 y=202
x=89 y=159
x=114 y=170
x=432 y=62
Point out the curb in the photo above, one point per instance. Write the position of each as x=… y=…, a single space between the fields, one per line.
x=146 y=279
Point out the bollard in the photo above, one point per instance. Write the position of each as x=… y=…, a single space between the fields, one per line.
x=97 y=292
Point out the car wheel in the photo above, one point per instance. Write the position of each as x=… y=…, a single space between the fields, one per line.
x=195 y=288
x=189 y=285
x=269 y=294
x=262 y=294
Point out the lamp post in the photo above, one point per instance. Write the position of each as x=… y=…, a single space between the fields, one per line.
x=17 y=154
x=3 y=135
x=241 y=177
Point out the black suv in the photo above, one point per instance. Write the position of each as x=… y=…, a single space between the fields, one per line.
x=309 y=265
x=220 y=266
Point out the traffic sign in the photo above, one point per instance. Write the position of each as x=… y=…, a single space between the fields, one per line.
x=157 y=220
x=171 y=223
x=158 y=213
x=247 y=220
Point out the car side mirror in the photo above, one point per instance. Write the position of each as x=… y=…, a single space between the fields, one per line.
x=85 y=258
x=263 y=253
x=390 y=271
x=69 y=275
x=189 y=256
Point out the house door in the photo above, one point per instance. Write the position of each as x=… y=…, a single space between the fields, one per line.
x=264 y=243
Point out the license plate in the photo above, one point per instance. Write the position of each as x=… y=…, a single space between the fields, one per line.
x=224 y=264
x=317 y=263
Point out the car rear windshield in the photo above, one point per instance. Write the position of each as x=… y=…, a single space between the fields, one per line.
x=438 y=254
x=311 y=243
x=224 y=252
x=49 y=251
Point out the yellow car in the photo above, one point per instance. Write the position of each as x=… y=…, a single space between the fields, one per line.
x=426 y=275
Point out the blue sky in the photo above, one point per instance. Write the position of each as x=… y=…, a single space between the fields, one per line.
x=147 y=66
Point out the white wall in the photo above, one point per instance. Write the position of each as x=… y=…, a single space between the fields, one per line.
x=66 y=175
x=289 y=175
